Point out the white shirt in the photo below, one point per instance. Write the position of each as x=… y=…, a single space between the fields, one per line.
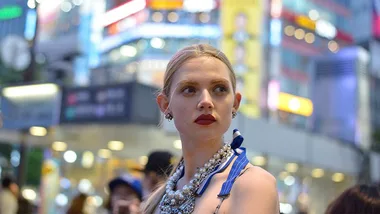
x=8 y=202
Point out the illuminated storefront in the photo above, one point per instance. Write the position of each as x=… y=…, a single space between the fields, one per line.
x=13 y=18
x=141 y=36
x=299 y=32
x=304 y=188
x=242 y=27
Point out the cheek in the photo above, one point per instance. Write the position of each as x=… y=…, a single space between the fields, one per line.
x=181 y=108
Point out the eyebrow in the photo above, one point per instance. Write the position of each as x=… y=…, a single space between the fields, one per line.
x=213 y=82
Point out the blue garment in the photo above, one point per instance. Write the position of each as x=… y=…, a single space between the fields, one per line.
x=239 y=164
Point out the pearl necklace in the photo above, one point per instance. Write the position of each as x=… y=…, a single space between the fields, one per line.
x=183 y=201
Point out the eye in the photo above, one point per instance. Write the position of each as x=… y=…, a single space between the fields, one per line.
x=221 y=89
x=189 y=90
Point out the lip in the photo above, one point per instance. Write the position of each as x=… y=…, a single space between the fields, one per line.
x=205 y=119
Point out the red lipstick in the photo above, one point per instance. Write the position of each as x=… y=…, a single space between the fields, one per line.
x=205 y=119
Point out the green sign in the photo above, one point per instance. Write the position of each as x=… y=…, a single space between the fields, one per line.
x=10 y=12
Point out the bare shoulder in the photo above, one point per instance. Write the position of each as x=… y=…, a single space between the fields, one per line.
x=255 y=190
x=256 y=177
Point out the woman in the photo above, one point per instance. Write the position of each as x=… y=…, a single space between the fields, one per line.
x=358 y=199
x=200 y=95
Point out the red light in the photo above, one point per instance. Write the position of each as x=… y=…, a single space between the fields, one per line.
x=276 y=8
x=376 y=26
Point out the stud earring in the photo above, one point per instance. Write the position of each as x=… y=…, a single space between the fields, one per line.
x=169 y=116
x=234 y=114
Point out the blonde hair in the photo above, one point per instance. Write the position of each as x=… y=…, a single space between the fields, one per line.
x=182 y=56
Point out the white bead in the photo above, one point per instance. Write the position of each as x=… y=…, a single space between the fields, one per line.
x=172 y=201
x=186 y=189
x=197 y=175
x=207 y=166
x=217 y=156
x=193 y=181
x=171 y=194
x=176 y=194
x=212 y=161
x=181 y=197
x=202 y=170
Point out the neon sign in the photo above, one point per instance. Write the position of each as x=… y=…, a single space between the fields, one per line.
x=166 y=4
x=128 y=22
x=294 y=104
x=325 y=29
x=10 y=12
x=123 y=11
x=376 y=18
x=150 y=30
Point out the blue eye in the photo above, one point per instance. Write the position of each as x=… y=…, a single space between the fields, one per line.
x=188 y=90
x=221 y=89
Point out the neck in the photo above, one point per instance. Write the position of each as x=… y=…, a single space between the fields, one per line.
x=196 y=153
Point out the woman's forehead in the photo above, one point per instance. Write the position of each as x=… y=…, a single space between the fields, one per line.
x=203 y=62
x=205 y=66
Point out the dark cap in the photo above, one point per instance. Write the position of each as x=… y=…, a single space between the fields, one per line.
x=7 y=181
x=159 y=162
x=128 y=180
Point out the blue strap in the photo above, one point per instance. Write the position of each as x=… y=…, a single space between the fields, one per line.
x=221 y=168
x=237 y=167
x=239 y=164
x=238 y=139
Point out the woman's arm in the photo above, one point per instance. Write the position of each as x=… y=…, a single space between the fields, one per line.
x=254 y=192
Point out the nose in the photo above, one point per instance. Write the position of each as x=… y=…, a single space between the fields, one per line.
x=205 y=101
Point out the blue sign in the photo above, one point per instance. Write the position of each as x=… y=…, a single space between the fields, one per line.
x=24 y=112
x=96 y=104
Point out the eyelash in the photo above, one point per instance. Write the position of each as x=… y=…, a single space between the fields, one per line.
x=223 y=88
x=186 y=88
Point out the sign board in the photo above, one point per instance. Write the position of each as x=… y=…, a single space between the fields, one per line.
x=89 y=104
x=10 y=12
x=20 y=113
x=122 y=103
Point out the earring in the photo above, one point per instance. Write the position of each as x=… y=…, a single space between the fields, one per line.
x=234 y=114
x=169 y=116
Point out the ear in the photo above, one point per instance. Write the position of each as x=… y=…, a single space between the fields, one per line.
x=237 y=101
x=163 y=102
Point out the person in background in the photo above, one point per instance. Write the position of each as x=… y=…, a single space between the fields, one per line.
x=156 y=171
x=8 y=196
x=358 y=199
x=78 y=204
x=24 y=206
x=125 y=195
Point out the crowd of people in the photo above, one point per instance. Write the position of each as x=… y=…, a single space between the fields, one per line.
x=212 y=176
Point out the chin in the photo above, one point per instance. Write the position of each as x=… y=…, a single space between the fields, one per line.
x=208 y=132
x=201 y=132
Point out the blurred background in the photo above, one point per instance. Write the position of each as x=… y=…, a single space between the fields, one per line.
x=78 y=79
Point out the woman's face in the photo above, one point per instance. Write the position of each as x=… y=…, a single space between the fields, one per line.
x=202 y=99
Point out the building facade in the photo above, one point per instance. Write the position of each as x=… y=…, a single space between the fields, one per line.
x=298 y=32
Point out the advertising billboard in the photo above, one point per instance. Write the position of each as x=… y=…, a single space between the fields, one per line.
x=87 y=104
x=376 y=18
x=30 y=105
x=241 y=23
x=110 y=104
